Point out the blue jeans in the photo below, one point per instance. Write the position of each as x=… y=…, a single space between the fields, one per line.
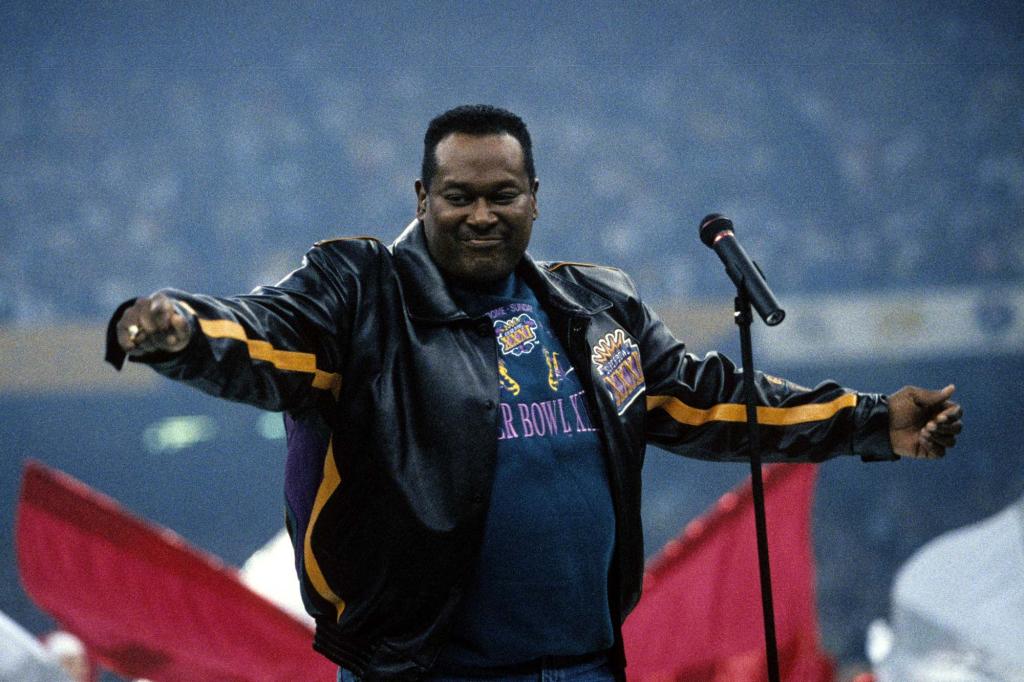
x=591 y=671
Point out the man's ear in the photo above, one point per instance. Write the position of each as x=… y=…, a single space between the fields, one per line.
x=533 y=192
x=421 y=199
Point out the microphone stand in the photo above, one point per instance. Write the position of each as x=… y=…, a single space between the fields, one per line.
x=743 y=319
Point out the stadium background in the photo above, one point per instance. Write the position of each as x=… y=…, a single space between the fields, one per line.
x=870 y=154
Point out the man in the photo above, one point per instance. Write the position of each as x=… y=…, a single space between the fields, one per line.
x=466 y=426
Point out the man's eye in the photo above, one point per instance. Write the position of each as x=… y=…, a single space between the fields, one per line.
x=457 y=199
x=505 y=197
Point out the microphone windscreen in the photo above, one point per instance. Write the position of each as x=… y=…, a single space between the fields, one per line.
x=711 y=226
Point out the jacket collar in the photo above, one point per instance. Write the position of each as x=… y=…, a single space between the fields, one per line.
x=427 y=297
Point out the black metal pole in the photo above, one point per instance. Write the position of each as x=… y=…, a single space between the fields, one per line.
x=743 y=319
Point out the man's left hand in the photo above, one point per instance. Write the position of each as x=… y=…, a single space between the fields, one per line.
x=923 y=423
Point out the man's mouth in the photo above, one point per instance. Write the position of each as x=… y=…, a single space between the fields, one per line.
x=483 y=242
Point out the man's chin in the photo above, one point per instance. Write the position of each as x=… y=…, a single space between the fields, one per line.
x=488 y=277
x=484 y=271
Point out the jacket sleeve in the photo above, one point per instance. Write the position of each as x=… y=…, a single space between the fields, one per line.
x=278 y=348
x=696 y=407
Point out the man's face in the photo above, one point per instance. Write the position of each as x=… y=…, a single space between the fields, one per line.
x=480 y=208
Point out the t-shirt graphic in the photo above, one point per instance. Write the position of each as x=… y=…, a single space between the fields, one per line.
x=554 y=412
x=540 y=587
x=516 y=335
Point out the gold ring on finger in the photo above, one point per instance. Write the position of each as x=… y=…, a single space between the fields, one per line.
x=133 y=332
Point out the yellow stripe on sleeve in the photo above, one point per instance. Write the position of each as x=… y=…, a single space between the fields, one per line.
x=735 y=412
x=330 y=482
x=294 y=361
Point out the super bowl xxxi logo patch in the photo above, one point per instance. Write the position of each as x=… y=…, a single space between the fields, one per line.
x=617 y=359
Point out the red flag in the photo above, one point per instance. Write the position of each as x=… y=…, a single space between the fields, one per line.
x=700 y=618
x=143 y=601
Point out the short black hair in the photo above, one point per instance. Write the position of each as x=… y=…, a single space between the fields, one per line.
x=474 y=119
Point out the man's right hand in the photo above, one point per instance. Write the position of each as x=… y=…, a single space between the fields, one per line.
x=152 y=325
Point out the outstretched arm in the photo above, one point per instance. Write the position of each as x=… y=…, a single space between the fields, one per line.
x=279 y=347
x=700 y=408
x=922 y=422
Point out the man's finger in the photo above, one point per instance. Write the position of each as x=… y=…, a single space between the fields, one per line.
x=147 y=325
x=951 y=415
x=946 y=440
x=179 y=325
x=154 y=323
x=929 y=398
x=135 y=335
x=948 y=421
x=952 y=412
x=154 y=313
x=163 y=310
x=929 y=449
x=948 y=428
x=129 y=330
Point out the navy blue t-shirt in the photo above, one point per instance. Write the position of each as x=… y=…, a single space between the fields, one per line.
x=541 y=585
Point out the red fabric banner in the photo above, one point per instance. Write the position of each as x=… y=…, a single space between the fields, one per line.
x=700 y=617
x=143 y=601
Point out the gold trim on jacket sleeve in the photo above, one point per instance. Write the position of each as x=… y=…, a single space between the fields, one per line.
x=294 y=361
x=736 y=412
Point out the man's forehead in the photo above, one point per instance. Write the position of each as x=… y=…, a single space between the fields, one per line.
x=462 y=154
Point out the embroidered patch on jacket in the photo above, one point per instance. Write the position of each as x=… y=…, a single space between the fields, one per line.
x=617 y=359
x=516 y=336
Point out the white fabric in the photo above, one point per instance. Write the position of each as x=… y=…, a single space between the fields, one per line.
x=270 y=572
x=958 y=607
x=23 y=658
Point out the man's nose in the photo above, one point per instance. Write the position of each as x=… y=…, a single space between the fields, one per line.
x=481 y=214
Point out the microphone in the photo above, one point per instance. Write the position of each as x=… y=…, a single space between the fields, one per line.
x=716 y=232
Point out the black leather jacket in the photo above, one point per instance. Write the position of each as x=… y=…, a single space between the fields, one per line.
x=391 y=392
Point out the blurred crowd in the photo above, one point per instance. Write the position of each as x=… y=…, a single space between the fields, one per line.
x=868 y=156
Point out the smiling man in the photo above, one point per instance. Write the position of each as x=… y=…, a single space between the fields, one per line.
x=466 y=426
